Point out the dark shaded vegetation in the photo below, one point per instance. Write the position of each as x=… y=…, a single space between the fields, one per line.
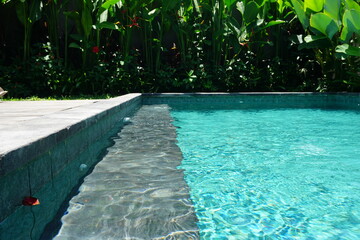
x=96 y=47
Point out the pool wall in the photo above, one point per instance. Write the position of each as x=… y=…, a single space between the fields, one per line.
x=25 y=170
x=258 y=100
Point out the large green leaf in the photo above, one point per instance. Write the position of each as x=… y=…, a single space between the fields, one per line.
x=280 y=6
x=273 y=23
x=296 y=39
x=240 y=6
x=86 y=21
x=20 y=11
x=103 y=16
x=229 y=3
x=35 y=10
x=332 y=8
x=324 y=24
x=353 y=16
x=251 y=11
x=312 y=41
x=152 y=14
x=29 y=11
x=314 y=5
x=120 y=4
x=107 y=25
x=300 y=12
x=109 y=3
x=346 y=34
x=351 y=22
x=313 y=38
x=348 y=50
x=234 y=25
x=74 y=45
x=352 y=5
x=197 y=7
x=105 y=6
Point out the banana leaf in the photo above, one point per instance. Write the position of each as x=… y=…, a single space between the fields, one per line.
x=324 y=24
x=348 y=50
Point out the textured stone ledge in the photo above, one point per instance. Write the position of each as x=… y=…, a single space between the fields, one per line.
x=34 y=152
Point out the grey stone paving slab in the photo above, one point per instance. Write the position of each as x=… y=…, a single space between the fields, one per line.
x=24 y=123
x=17 y=112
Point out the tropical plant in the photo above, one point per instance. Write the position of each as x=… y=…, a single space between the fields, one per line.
x=185 y=45
x=28 y=12
x=332 y=28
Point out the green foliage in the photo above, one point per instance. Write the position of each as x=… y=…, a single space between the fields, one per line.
x=333 y=28
x=330 y=17
x=120 y=46
x=351 y=24
x=314 y=5
x=332 y=9
x=348 y=50
x=325 y=24
x=28 y=13
x=301 y=13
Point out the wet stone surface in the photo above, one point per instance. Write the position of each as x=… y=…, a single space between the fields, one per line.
x=136 y=191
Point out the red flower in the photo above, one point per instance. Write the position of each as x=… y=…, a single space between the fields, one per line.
x=30 y=201
x=95 y=49
x=244 y=44
x=134 y=22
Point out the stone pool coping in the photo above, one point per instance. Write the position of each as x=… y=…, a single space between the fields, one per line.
x=38 y=139
x=28 y=128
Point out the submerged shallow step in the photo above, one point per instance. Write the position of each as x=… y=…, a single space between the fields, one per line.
x=136 y=190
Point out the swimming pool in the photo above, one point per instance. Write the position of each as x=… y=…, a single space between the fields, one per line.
x=274 y=202
x=275 y=173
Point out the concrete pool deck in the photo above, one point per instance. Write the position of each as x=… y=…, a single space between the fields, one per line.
x=16 y=112
x=31 y=130
x=22 y=123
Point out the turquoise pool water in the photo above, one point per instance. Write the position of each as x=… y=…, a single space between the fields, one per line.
x=272 y=173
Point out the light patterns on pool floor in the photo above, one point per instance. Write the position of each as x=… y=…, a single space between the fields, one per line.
x=272 y=173
x=136 y=191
